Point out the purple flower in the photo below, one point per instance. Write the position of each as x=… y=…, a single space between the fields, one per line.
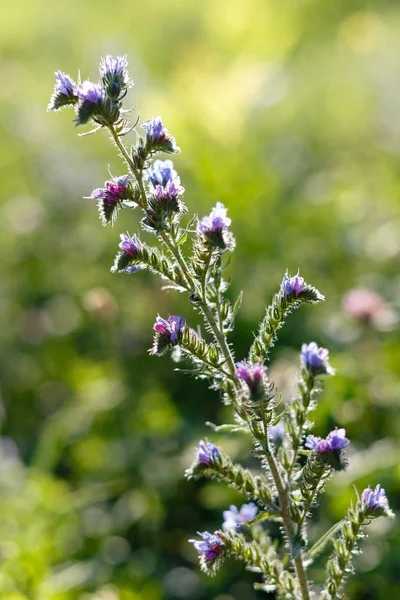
x=161 y=172
x=234 y=517
x=65 y=92
x=165 y=181
x=129 y=244
x=114 y=74
x=90 y=92
x=158 y=136
x=336 y=440
x=170 y=329
x=113 y=66
x=292 y=285
x=208 y=452
x=277 y=433
x=252 y=375
x=215 y=222
x=315 y=359
x=64 y=84
x=211 y=545
x=113 y=191
x=374 y=502
x=213 y=227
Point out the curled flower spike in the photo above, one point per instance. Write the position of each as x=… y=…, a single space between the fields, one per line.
x=208 y=452
x=211 y=545
x=374 y=502
x=234 y=517
x=315 y=359
x=252 y=375
x=158 y=137
x=65 y=92
x=330 y=448
x=292 y=286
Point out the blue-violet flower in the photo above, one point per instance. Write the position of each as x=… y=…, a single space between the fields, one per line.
x=158 y=137
x=211 y=545
x=234 y=517
x=252 y=375
x=208 y=452
x=65 y=92
x=214 y=226
x=165 y=181
x=374 y=502
x=169 y=329
x=277 y=433
x=315 y=359
x=110 y=196
x=114 y=74
x=292 y=285
x=336 y=440
x=90 y=92
x=129 y=244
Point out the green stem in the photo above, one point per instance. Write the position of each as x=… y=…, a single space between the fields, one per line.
x=289 y=527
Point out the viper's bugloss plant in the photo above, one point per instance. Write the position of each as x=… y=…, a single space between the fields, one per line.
x=190 y=256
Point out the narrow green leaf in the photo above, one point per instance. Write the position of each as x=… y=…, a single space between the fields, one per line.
x=230 y=427
x=324 y=539
x=272 y=513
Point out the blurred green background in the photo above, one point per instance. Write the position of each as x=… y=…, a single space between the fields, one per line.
x=289 y=113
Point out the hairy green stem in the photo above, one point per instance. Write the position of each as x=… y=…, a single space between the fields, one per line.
x=287 y=521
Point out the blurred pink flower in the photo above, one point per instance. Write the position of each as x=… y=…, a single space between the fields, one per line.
x=362 y=304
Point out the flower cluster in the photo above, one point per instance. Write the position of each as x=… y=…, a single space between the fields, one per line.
x=101 y=101
x=192 y=260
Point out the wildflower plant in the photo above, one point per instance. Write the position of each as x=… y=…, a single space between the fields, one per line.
x=190 y=255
